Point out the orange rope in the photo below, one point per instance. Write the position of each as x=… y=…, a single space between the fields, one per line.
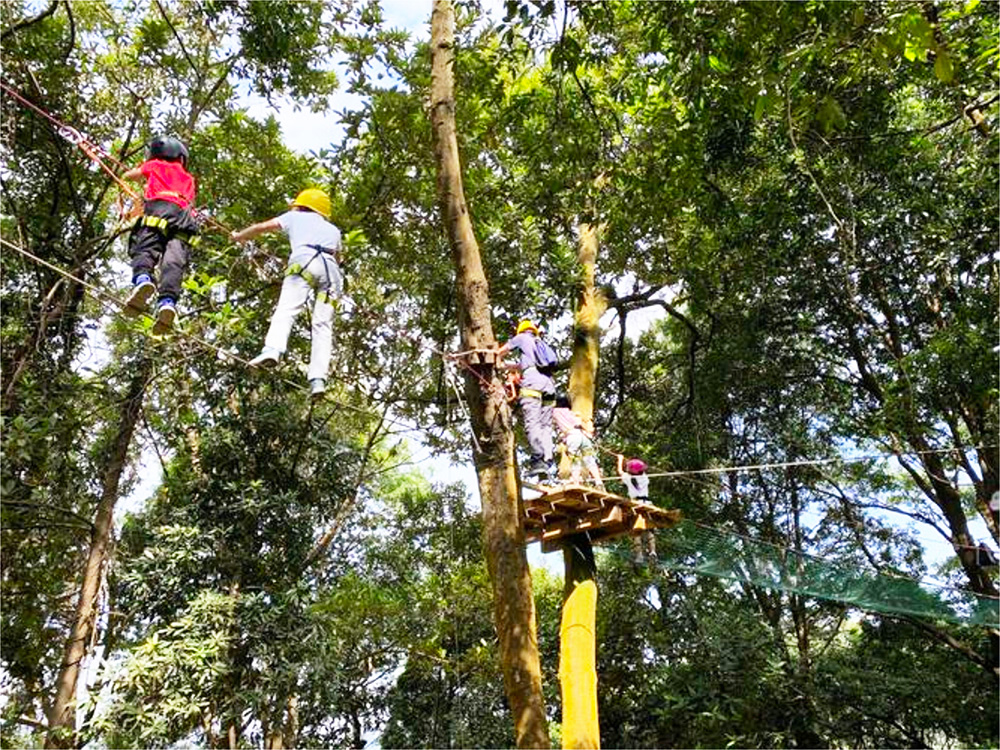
x=99 y=156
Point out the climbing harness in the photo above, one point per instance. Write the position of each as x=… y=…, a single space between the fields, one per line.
x=299 y=269
x=543 y=397
x=161 y=224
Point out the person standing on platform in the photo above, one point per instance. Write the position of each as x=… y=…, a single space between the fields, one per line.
x=537 y=397
x=578 y=442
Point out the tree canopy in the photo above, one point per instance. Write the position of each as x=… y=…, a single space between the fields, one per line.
x=806 y=193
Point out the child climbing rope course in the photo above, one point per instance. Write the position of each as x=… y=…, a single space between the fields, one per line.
x=632 y=472
x=313 y=265
x=165 y=232
x=579 y=444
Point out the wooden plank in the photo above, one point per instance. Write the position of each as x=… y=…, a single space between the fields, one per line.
x=577 y=524
x=565 y=509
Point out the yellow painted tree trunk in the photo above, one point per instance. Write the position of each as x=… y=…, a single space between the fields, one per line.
x=493 y=444
x=577 y=644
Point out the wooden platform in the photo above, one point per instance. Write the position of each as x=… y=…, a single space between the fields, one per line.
x=567 y=509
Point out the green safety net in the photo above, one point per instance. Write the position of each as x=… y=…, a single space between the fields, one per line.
x=714 y=552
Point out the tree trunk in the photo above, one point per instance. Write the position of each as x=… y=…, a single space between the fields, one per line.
x=62 y=715
x=578 y=646
x=493 y=436
x=587 y=334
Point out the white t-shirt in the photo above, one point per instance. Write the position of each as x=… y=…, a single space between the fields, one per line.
x=308 y=231
x=638 y=485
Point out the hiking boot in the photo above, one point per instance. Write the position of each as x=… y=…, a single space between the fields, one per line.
x=166 y=311
x=267 y=359
x=142 y=289
x=317 y=387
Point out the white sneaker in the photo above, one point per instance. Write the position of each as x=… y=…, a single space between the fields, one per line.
x=268 y=358
x=138 y=301
x=166 y=311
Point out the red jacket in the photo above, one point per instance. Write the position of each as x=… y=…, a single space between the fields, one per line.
x=168 y=181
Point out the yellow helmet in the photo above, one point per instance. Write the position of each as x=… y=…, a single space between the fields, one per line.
x=315 y=199
x=526 y=324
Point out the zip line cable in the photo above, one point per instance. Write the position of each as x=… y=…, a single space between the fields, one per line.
x=800 y=462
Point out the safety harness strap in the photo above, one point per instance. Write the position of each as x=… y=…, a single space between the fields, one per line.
x=156 y=222
x=532 y=393
x=297 y=269
x=161 y=224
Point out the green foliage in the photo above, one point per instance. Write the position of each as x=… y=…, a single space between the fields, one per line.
x=171 y=678
x=799 y=177
x=282 y=45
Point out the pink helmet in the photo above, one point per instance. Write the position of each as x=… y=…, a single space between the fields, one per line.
x=635 y=466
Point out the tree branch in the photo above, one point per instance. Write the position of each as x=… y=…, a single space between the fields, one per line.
x=72 y=32
x=327 y=537
x=81 y=521
x=805 y=167
x=197 y=73
x=29 y=21
x=963 y=648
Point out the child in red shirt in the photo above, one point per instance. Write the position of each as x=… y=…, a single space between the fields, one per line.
x=166 y=231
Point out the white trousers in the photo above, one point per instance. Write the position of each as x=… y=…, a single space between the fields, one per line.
x=320 y=273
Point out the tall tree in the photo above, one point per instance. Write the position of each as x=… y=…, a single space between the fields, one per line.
x=578 y=642
x=492 y=428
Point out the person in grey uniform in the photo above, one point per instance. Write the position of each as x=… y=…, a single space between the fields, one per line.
x=537 y=398
x=312 y=267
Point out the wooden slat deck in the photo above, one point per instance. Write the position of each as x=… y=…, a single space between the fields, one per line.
x=566 y=509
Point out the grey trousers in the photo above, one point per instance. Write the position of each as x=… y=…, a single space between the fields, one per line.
x=537 y=416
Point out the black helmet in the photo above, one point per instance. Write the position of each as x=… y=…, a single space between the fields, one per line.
x=168 y=148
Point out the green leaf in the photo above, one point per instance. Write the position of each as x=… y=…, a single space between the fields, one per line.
x=943 y=67
x=718 y=64
x=760 y=108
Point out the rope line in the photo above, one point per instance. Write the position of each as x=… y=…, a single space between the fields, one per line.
x=802 y=462
x=664 y=537
x=99 y=156
x=74 y=136
x=191 y=337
